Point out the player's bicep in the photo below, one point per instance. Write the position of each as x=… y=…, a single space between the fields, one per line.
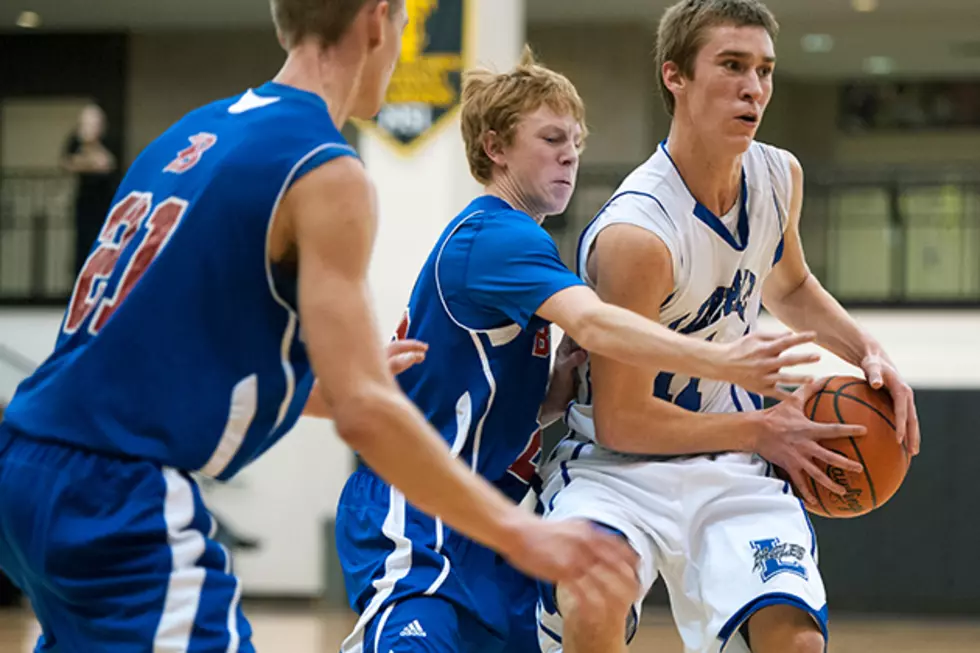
x=331 y=211
x=633 y=269
x=792 y=269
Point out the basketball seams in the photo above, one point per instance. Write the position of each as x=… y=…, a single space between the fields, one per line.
x=867 y=398
x=857 y=451
x=816 y=493
x=813 y=412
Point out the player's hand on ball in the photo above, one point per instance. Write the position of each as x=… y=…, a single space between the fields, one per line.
x=879 y=371
x=403 y=354
x=564 y=551
x=755 y=362
x=791 y=441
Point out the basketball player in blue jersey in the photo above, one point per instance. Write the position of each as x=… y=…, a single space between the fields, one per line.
x=231 y=267
x=700 y=237
x=484 y=301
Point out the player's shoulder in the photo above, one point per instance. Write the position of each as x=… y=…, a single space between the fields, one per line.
x=655 y=186
x=769 y=166
x=490 y=217
x=774 y=156
x=273 y=117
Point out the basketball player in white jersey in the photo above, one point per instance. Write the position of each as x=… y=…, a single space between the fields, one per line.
x=701 y=236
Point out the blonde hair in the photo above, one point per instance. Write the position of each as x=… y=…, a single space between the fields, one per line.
x=683 y=27
x=496 y=102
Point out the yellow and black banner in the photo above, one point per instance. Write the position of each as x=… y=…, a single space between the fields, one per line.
x=426 y=85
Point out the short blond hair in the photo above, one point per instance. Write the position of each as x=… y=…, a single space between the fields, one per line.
x=496 y=102
x=683 y=29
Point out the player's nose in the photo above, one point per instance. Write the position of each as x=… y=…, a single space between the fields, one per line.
x=752 y=90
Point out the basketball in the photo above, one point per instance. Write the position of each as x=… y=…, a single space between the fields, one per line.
x=851 y=400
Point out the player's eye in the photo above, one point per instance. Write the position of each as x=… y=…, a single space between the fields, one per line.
x=733 y=65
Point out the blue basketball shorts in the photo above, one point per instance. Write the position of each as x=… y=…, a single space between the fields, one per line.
x=114 y=555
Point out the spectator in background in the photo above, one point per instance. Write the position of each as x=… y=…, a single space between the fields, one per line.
x=87 y=157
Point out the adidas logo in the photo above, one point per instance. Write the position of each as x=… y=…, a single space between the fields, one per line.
x=413 y=629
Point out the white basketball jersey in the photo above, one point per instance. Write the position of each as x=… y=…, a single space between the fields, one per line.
x=719 y=263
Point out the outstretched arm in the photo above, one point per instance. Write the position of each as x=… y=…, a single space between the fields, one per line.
x=329 y=217
x=632 y=338
x=794 y=296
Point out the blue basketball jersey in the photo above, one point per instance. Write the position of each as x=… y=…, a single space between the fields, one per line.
x=487 y=368
x=181 y=342
x=481 y=386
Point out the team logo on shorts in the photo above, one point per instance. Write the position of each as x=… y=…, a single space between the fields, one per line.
x=772 y=558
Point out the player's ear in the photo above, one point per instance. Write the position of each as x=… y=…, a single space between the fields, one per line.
x=673 y=77
x=493 y=146
x=377 y=14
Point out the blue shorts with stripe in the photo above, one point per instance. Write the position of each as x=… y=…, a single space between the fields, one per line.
x=407 y=574
x=114 y=555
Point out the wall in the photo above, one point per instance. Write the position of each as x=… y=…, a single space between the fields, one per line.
x=169 y=73
x=172 y=73
x=623 y=111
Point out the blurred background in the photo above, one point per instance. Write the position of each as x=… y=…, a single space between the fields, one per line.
x=879 y=99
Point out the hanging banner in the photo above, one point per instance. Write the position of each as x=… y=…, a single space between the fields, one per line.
x=426 y=85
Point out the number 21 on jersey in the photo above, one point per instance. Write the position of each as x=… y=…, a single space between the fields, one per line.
x=133 y=234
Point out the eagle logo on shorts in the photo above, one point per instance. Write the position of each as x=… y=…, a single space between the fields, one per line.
x=773 y=557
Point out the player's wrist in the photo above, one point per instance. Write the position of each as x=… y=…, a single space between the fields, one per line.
x=510 y=528
x=712 y=360
x=758 y=430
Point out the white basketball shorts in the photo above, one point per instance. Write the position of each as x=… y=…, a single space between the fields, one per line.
x=728 y=537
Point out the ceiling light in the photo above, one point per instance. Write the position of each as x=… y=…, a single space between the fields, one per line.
x=817 y=43
x=864 y=5
x=29 y=20
x=879 y=65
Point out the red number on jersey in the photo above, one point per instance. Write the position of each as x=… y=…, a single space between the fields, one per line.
x=402 y=331
x=189 y=156
x=121 y=226
x=526 y=465
x=542 y=342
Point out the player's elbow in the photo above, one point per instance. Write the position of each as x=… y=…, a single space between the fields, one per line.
x=612 y=426
x=359 y=417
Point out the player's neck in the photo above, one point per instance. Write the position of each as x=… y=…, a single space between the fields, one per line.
x=325 y=74
x=714 y=177
x=504 y=188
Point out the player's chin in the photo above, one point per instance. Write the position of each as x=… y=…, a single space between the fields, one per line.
x=366 y=109
x=560 y=194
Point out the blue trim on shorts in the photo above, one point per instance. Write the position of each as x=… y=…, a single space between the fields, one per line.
x=549 y=632
x=565 y=477
x=809 y=525
x=776 y=598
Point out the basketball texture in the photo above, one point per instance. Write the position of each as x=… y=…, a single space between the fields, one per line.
x=850 y=400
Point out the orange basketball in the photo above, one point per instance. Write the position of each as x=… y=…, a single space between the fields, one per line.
x=850 y=400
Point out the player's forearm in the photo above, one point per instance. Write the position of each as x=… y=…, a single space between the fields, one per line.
x=629 y=338
x=394 y=439
x=316 y=406
x=809 y=307
x=659 y=428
